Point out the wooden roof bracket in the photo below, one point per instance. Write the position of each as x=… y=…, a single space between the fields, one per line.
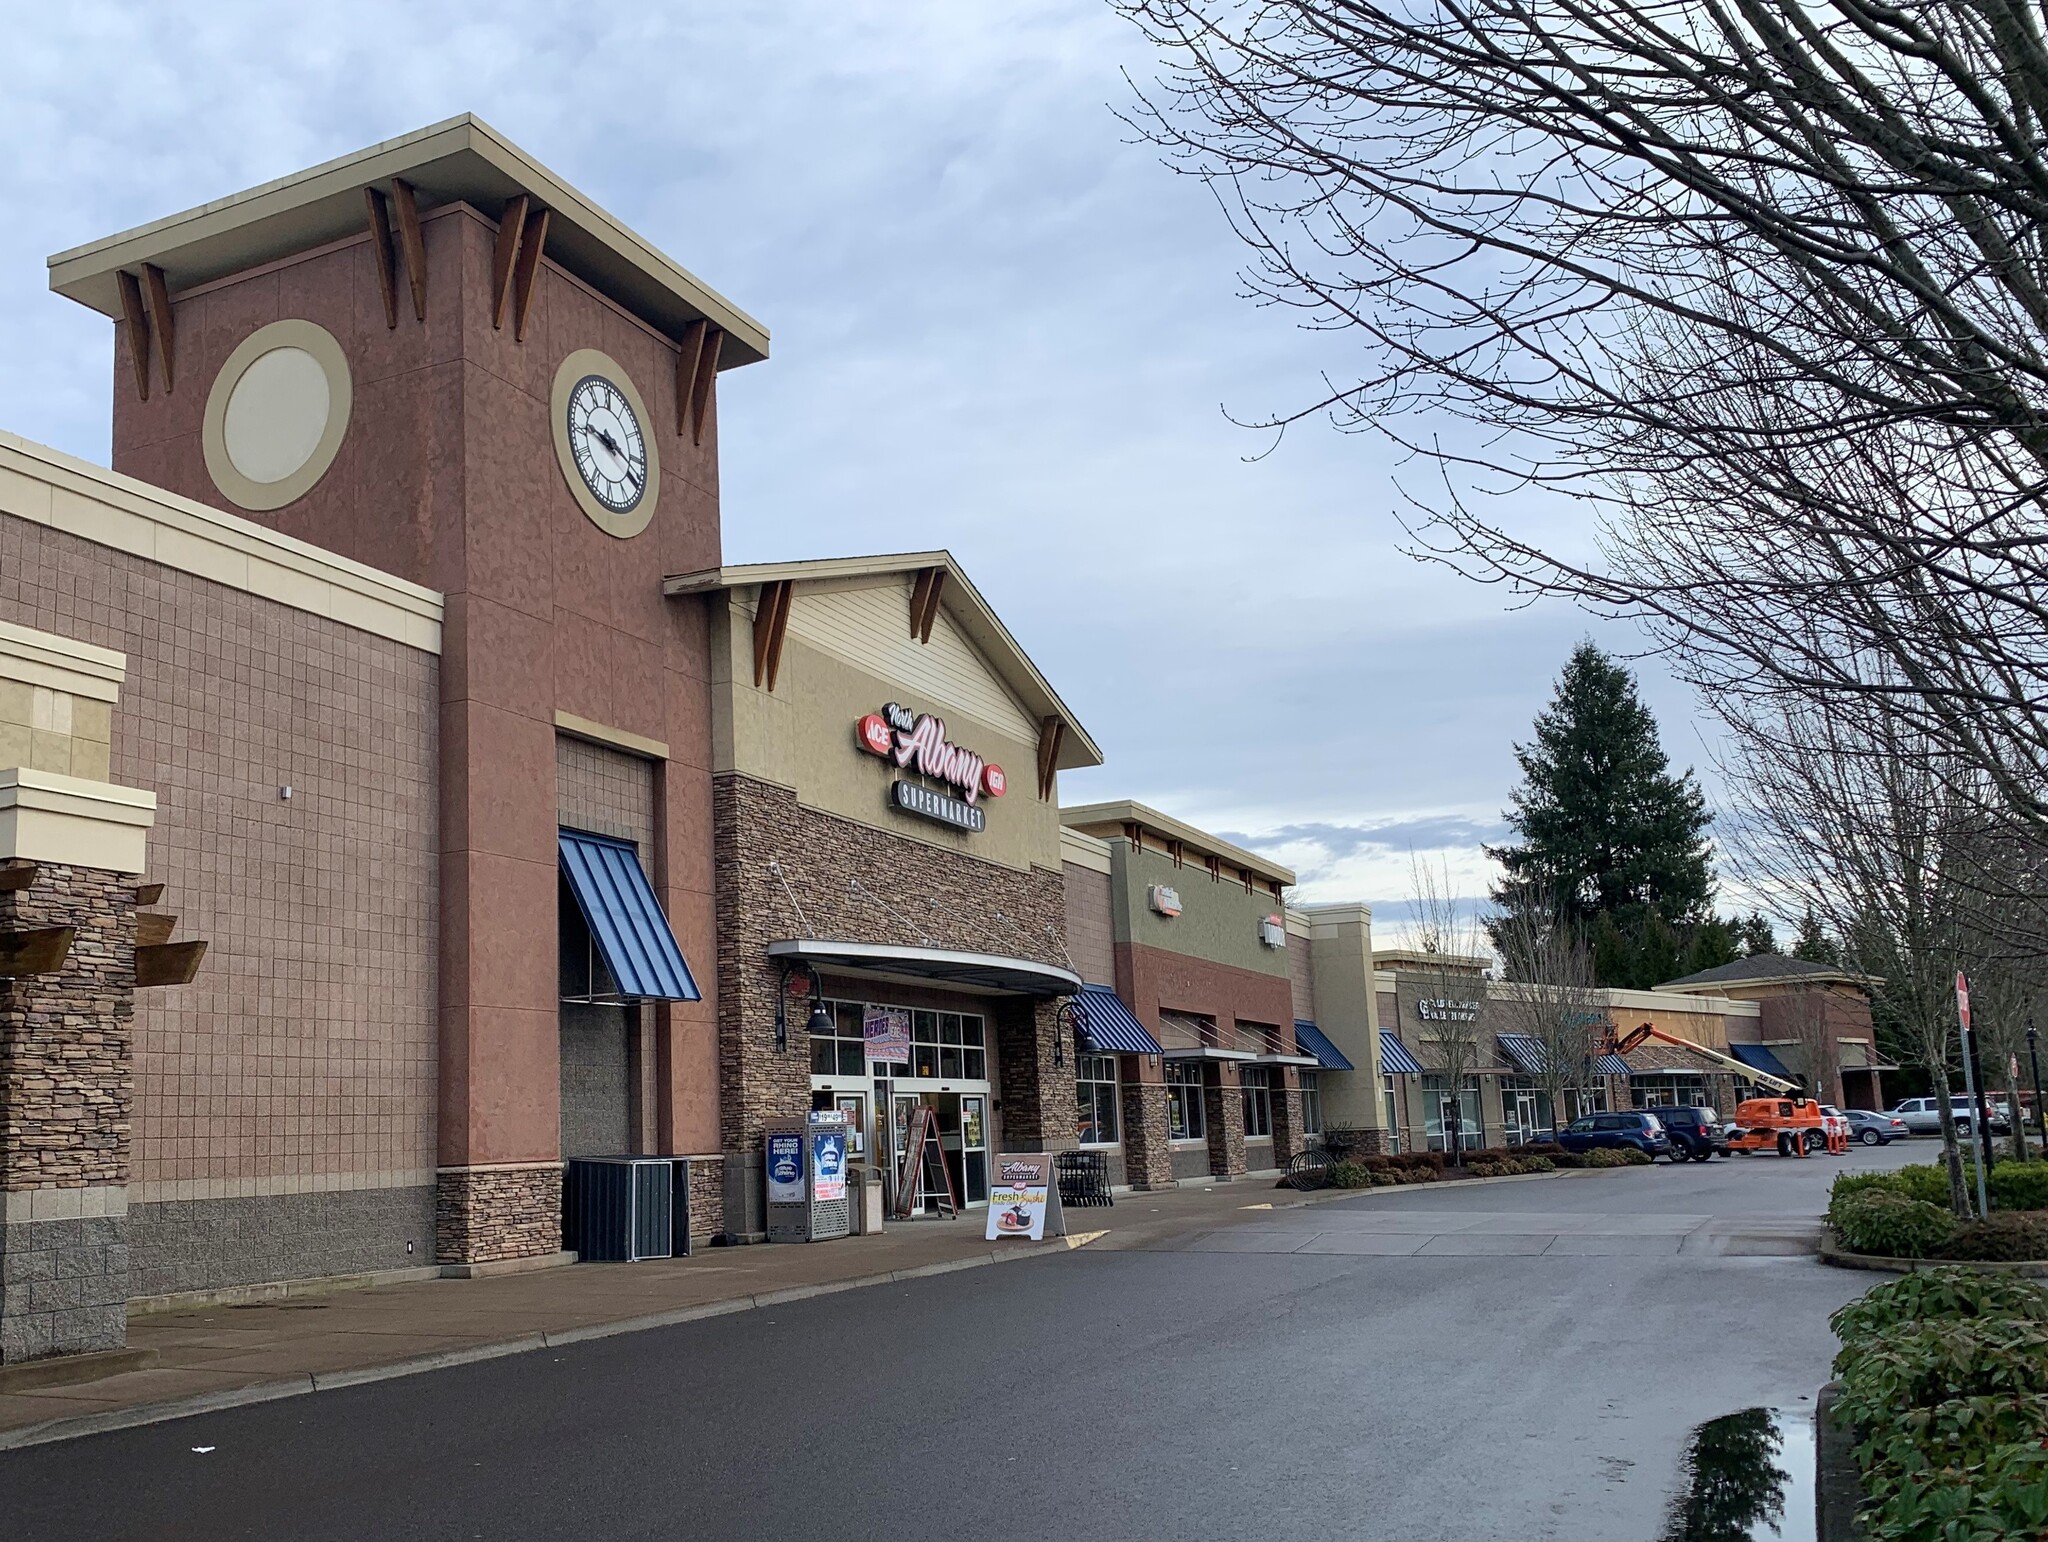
x=412 y=243
x=167 y=963
x=771 y=625
x=511 y=228
x=156 y=295
x=35 y=950
x=138 y=331
x=1050 y=734
x=696 y=375
x=380 y=248
x=16 y=875
x=924 y=602
x=533 y=243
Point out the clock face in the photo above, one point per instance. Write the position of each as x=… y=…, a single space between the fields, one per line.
x=605 y=439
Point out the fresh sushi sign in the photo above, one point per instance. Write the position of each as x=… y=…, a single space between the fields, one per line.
x=917 y=742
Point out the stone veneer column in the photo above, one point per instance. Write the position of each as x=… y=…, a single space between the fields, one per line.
x=67 y=1087
x=1039 y=1099
x=1223 y=1113
x=1286 y=1119
x=1148 y=1152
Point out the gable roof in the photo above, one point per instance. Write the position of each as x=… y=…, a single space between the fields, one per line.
x=461 y=160
x=958 y=598
x=1767 y=969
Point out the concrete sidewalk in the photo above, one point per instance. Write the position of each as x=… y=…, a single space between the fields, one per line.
x=220 y=1355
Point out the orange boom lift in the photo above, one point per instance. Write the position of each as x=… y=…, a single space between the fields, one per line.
x=1762 y=1124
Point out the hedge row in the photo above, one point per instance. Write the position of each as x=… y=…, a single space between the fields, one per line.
x=1945 y=1388
x=1879 y=1214
x=1429 y=1167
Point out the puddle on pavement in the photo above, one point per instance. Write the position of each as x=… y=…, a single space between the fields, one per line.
x=1747 y=1477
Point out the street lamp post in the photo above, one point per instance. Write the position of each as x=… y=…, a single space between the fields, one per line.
x=2034 y=1061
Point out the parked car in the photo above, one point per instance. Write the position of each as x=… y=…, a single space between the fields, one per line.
x=1642 y=1131
x=1696 y=1133
x=1875 y=1129
x=1922 y=1116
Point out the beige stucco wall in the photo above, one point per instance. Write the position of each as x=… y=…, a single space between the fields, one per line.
x=801 y=736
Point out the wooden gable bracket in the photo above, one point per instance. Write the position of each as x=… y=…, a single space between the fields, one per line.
x=153 y=930
x=167 y=963
x=533 y=242
x=1135 y=834
x=696 y=373
x=924 y=602
x=138 y=331
x=1175 y=854
x=35 y=950
x=16 y=875
x=148 y=893
x=412 y=243
x=511 y=227
x=380 y=248
x=1050 y=734
x=1215 y=866
x=771 y=625
x=156 y=295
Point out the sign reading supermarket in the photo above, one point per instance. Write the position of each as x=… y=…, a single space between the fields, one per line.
x=916 y=741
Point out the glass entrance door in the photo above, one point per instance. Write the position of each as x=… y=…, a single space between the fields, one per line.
x=974 y=1148
x=962 y=1121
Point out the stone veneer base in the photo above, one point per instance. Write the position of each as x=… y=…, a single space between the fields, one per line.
x=485 y=1214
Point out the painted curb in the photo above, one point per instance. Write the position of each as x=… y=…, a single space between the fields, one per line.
x=1832 y=1252
x=109 y=1420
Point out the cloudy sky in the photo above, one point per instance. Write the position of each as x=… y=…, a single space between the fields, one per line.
x=999 y=326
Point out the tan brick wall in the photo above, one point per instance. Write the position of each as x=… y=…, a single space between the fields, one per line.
x=303 y=1056
x=1091 y=934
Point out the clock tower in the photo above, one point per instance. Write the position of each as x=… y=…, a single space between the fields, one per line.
x=437 y=359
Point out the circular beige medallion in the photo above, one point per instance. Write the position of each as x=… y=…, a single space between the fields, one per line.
x=604 y=441
x=277 y=414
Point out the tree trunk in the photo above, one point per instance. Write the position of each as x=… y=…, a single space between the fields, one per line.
x=1951 y=1156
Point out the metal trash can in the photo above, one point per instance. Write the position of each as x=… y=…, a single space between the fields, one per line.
x=619 y=1209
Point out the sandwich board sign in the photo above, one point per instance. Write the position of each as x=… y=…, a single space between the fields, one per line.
x=1024 y=1200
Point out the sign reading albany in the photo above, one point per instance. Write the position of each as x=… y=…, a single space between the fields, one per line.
x=916 y=741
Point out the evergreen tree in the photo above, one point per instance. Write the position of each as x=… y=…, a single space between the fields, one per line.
x=1610 y=841
x=1757 y=934
x=1813 y=944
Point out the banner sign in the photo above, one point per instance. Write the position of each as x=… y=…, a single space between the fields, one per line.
x=887 y=1031
x=828 y=1165
x=786 y=1168
x=1024 y=1200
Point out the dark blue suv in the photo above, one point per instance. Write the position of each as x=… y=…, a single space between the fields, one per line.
x=1645 y=1132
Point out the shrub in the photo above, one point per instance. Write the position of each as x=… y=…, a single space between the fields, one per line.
x=1848 y=1185
x=1607 y=1156
x=1634 y=1158
x=1350 y=1175
x=1927 y=1183
x=1540 y=1161
x=1939 y=1295
x=1381 y=1178
x=1540 y=1148
x=2018 y=1186
x=2007 y=1236
x=1487 y=1169
x=1892 y=1226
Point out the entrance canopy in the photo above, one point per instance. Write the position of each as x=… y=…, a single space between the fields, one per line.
x=988 y=972
x=1314 y=1041
x=1108 y=1027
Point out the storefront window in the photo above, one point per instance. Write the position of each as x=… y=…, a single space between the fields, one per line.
x=1524 y=1110
x=1095 y=1083
x=1311 y=1103
x=1437 y=1101
x=1184 y=1100
x=843 y=1052
x=1390 y=1103
x=944 y=1046
x=1669 y=1092
x=1255 y=1084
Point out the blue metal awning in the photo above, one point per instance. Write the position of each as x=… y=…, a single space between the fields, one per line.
x=625 y=920
x=1526 y=1051
x=1108 y=1027
x=1314 y=1041
x=1394 y=1056
x=1759 y=1058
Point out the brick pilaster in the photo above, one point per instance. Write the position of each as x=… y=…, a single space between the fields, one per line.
x=1286 y=1119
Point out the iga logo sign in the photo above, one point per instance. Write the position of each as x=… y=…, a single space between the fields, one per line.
x=917 y=741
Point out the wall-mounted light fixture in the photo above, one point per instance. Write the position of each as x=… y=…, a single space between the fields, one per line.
x=1065 y=1021
x=820 y=1020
